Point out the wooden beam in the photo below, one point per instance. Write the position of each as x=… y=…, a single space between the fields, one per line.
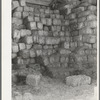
x=39 y=2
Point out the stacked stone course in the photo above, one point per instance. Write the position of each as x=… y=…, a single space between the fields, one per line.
x=66 y=42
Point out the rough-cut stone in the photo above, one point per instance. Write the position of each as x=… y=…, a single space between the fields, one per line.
x=84 y=13
x=27 y=40
x=52 y=40
x=82 y=19
x=39 y=52
x=22 y=46
x=17 y=14
x=28 y=96
x=32 y=53
x=39 y=25
x=65 y=52
x=92 y=17
x=19 y=9
x=72 y=16
x=15 y=48
x=66 y=45
x=17 y=21
x=33 y=80
x=23 y=32
x=89 y=39
x=32 y=25
x=77 y=10
x=49 y=21
x=28 y=19
x=25 y=14
x=41 y=40
x=14 y=55
x=22 y=2
x=86 y=30
x=37 y=19
x=92 y=8
x=17 y=60
x=24 y=53
x=92 y=24
x=17 y=96
x=41 y=33
x=43 y=20
x=28 y=46
x=26 y=8
x=16 y=34
x=15 y=4
x=78 y=80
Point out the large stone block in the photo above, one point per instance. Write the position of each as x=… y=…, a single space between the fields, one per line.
x=74 y=33
x=89 y=39
x=63 y=59
x=17 y=60
x=77 y=10
x=22 y=46
x=52 y=40
x=78 y=80
x=92 y=24
x=32 y=53
x=28 y=46
x=41 y=33
x=84 y=13
x=14 y=55
x=58 y=28
x=92 y=8
x=28 y=19
x=65 y=52
x=39 y=25
x=17 y=21
x=32 y=25
x=17 y=14
x=15 y=48
x=33 y=80
x=44 y=21
x=72 y=16
x=47 y=11
x=66 y=45
x=26 y=8
x=15 y=4
x=28 y=96
x=37 y=19
x=41 y=40
x=24 y=32
x=80 y=25
x=17 y=96
x=54 y=28
x=49 y=21
x=86 y=30
x=19 y=9
x=24 y=53
x=16 y=34
x=22 y=2
x=46 y=61
x=92 y=17
x=25 y=14
x=57 y=16
x=82 y=19
x=26 y=39
x=38 y=52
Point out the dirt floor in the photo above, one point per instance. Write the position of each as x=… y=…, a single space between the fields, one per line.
x=54 y=89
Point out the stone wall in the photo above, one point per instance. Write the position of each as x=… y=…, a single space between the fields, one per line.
x=67 y=43
x=82 y=17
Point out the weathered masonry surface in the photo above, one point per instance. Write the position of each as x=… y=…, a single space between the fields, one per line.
x=66 y=41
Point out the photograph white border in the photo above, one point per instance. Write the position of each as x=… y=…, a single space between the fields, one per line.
x=6 y=49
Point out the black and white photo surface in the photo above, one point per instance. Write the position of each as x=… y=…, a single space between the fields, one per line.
x=54 y=49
